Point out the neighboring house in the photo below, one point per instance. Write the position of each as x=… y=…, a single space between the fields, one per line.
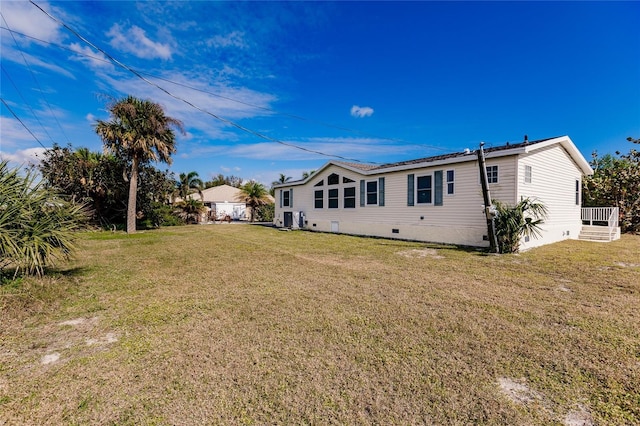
x=223 y=200
x=439 y=199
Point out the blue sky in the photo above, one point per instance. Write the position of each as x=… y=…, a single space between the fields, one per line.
x=369 y=81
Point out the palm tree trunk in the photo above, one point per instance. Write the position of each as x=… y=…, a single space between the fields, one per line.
x=133 y=191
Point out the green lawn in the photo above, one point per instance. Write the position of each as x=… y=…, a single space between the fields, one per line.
x=249 y=325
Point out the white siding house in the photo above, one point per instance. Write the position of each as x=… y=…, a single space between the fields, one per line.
x=439 y=199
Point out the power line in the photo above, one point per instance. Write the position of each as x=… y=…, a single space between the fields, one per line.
x=23 y=125
x=36 y=81
x=217 y=95
x=226 y=121
x=285 y=114
x=27 y=103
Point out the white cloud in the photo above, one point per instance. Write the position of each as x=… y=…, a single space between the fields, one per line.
x=357 y=148
x=361 y=112
x=233 y=39
x=193 y=119
x=10 y=53
x=91 y=118
x=134 y=40
x=225 y=169
x=23 y=157
x=95 y=60
x=23 y=17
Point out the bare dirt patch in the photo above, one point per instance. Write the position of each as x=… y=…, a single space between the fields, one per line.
x=517 y=392
x=579 y=417
x=104 y=340
x=50 y=358
x=627 y=265
x=420 y=253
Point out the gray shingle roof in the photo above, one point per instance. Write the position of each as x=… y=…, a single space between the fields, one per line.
x=372 y=167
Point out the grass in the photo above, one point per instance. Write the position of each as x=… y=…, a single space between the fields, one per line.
x=249 y=325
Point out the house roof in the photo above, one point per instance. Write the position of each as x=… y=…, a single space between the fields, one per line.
x=219 y=194
x=459 y=157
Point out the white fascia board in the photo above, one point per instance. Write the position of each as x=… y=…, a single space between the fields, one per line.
x=570 y=147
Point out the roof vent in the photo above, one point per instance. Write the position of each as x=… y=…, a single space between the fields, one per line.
x=526 y=139
x=467 y=151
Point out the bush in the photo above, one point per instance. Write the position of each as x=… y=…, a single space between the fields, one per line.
x=266 y=212
x=36 y=225
x=515 y=222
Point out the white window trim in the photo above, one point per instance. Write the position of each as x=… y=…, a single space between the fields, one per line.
x=526 y=166
x=447 y=182
x=366 y=192
x=415 y=190
x=337 y=198
x=314 y=200
x=497 y=174
x=355 y=196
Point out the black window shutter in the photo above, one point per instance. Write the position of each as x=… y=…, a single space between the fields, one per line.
x=291 y=198
x=410 y=190
x=381 y=191
x=362 y=193
x=437 y=177
x=281 y=198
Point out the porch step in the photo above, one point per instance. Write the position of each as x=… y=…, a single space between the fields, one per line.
x=598 y=233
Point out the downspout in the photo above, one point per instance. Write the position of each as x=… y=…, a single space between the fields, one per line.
x=489 y=210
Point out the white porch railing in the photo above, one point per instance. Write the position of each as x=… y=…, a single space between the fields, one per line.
x=599 y=216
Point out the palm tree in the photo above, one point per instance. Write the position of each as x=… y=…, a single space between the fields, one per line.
x=190 y=210
x=307 y=174
x=254 y=195
x=515 y=222
x=139 y=132
x=189 y=183
x=37 y=226
x=282 y=179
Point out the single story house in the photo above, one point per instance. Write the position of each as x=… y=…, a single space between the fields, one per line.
x=439 y=199
x=223 y=201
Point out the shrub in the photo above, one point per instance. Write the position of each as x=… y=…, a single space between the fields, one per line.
x=515 y=222
x=36 y=225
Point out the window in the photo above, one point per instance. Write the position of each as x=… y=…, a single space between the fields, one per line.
x=424 y=189
x=527 y=174
x=577 y=192
x=492 y=174
x=319 y=198
x=333 y=179
x=321 y=183
x=450 y=179
x=347 y=180
x=333 y=198
x=372 y=192
x=350 y=198
x=286 y=198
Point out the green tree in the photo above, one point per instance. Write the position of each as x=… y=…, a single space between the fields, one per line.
x=307 y=174
x=36 y=225
x=220 y=179
x=139 y=132
x=187 y=184
x=190 y=210
x=254 y=195
x=283 y=178
x=615 y=182
x=514 y=222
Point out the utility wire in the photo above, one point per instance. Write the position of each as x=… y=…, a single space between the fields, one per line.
x=23 y=125
x=27 y=103
x=285 y=114
x=217 y=117
x=36 y=81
